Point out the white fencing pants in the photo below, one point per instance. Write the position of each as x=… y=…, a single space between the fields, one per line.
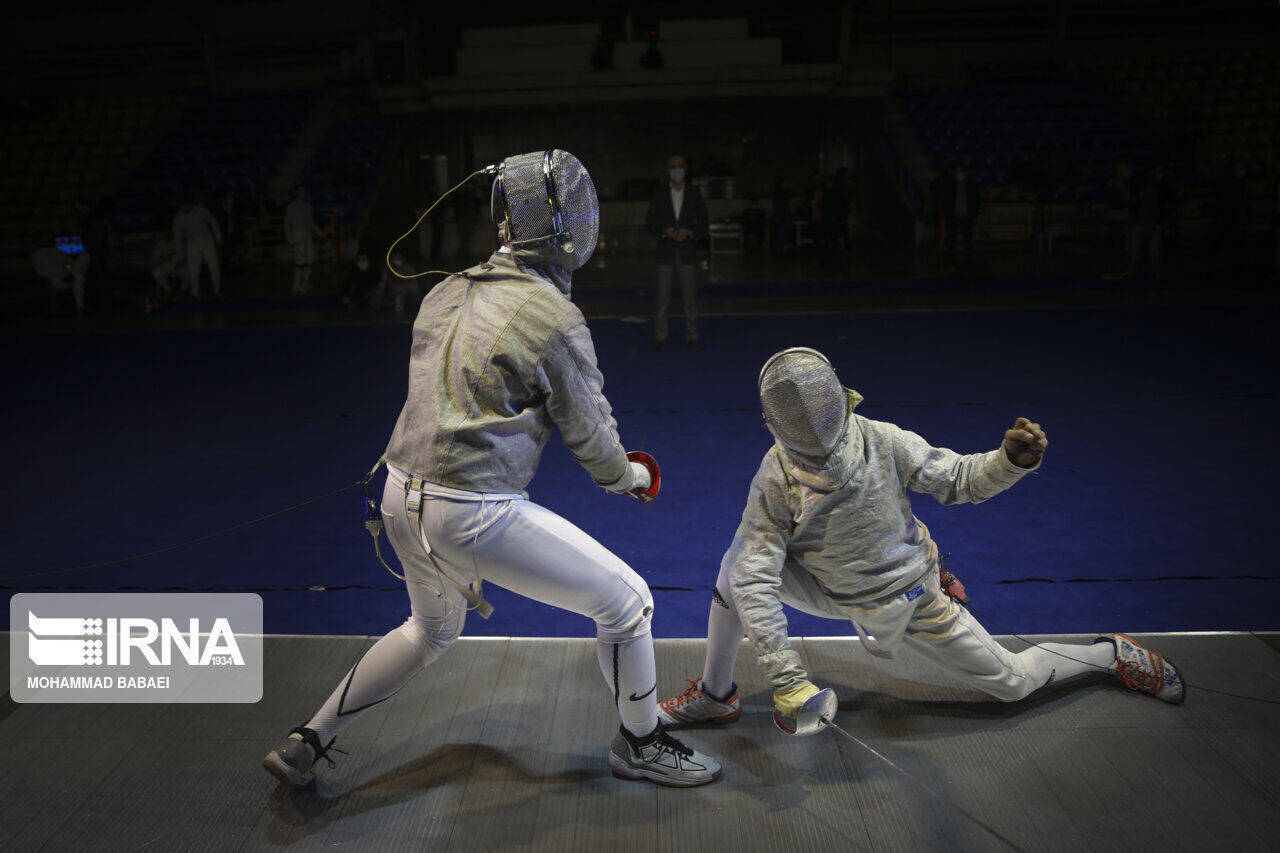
x=937 y=627
x=518 y=545
x=304 y=255
x=203 y=251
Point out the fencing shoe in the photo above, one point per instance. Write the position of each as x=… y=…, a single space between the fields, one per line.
x=660 y=758
x=694 y=707
x=292 y=760
x=1140 y=669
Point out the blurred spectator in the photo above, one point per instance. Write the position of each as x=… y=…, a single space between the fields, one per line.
x=1275 y=200
x=835 y=213
x=437 y=224
x=1151 y=216
x=197 y=238
x=95 y=233
x=1119 y=200
x=360 y=284
x=467 y=205
x=783 y=222
x=959 y=200
x=61 y=270
x=602 y=56
x=300 y=230
x=753 y=226
x=395 y=292
x=228 y=215
x=166 y=265
x=677 y=217
x=1230 y=215
x=1025 y=173
x=817 y=209
x=652 y=58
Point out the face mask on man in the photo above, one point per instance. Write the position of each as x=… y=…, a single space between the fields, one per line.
x=362 y=265
x=676 y=175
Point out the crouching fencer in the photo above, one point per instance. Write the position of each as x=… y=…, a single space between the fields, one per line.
x=500 y=357
x=828 y=530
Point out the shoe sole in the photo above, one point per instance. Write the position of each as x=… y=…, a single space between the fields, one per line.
x=277 y=768
x=689 y=724
x=634 y=774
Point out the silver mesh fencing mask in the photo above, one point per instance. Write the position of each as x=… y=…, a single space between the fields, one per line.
x=804 y=403
x=548 y=204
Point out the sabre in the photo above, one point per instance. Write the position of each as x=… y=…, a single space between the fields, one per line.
x=817 y=714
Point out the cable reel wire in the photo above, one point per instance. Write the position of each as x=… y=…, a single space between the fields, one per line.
x=373 y=524
x=487 y=170
x=188 y=543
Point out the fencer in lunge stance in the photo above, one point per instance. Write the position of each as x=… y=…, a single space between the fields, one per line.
x=828 y=529
x=500 y=357
x=300 y=230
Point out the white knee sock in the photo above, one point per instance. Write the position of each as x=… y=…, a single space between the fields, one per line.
x=377 y=676
x=632 y=677
x=1047 y=662
x=724 y=638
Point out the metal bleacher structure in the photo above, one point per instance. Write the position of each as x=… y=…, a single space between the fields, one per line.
x=139 y=155
x=1041 y=139
x=1224 y=106
x=79 y=148
x=258 y=146
x=1003 y=122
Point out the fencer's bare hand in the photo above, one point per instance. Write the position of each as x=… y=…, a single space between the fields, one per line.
x=671 y=233
x=683 y=234
x=1025 y=443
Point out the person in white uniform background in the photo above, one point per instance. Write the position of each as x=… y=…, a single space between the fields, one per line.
x=828 y=529
x=197 y=238
x=300 y=230
x=61 y=270
x=501 y=357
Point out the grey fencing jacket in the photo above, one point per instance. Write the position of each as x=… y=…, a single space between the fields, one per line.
x=846 y=521
x=500 y=357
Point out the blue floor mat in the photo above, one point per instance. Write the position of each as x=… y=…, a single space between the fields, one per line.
x=1151 y=512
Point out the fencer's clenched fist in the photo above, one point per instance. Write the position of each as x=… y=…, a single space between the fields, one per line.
x=1025 y=443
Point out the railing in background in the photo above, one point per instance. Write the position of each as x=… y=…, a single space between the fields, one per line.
x=265 y=243
x=901 y=174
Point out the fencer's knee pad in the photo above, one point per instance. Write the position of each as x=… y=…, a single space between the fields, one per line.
x=432 y=636
x=631 y=616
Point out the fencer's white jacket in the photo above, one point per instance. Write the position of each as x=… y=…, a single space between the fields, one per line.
x=500 y=357
x=299 y=220
x=847 y=521
x=196 y=225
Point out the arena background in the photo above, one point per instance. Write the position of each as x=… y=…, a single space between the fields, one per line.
x=150 y=419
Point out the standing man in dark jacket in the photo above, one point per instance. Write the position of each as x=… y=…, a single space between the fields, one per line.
x=678 y=218
x=959 y=199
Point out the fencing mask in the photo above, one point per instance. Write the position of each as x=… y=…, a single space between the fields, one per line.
x=804 y=404
x=547 y=204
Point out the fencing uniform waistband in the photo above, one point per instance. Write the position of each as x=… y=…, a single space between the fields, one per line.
x=436 y=490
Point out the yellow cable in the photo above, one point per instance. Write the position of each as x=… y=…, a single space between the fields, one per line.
x=424 y=215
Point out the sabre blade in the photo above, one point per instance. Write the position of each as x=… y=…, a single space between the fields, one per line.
x=826 y=722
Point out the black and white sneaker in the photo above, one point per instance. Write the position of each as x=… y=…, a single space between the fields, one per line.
x=662 y=759
x=292 y=760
